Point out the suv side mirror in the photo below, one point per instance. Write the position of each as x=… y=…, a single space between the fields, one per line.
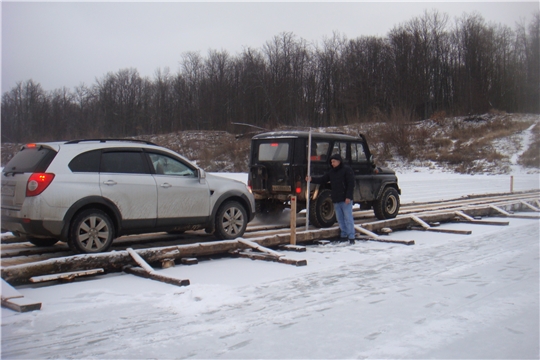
x=202 y=175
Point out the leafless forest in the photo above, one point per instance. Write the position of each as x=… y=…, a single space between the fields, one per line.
x=428 y=67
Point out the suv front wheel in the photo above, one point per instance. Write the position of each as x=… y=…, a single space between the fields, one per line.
x=387 y=207
x=321 y=210
x=231 y=221
x=91 y=231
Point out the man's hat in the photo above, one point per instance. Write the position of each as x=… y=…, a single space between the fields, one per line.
x=336 y=157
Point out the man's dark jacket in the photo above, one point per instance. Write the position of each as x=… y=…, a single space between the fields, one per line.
x=342 y=180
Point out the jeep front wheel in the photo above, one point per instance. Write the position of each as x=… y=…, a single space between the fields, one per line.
x=321 y=210
x=91 y=231
x=231 y=221
x=387 y=207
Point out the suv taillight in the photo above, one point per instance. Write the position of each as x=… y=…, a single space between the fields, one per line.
x=37 y=183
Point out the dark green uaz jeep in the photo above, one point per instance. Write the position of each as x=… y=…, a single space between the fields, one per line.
x=278 y=169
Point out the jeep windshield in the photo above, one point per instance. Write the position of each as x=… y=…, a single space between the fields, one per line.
x=274 y=151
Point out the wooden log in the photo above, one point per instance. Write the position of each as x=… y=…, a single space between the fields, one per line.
x=155 y=276
x=65 y=276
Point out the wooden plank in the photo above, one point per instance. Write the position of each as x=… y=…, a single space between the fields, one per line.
x=269 y=257
x=529 y=206
x=360 y=229
x=259 y=247
x=296 y=248
x=139 y=260
x=65 y=276
x=449 y=231
x=189 y=261
x=293 y=221
x=471 y=220
x=387 y=240
x=155 y=276
x=21 y=304
x=9 y=292
x=420 y=221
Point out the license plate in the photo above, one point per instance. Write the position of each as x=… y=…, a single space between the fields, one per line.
x=8 y=190
x=281 y=188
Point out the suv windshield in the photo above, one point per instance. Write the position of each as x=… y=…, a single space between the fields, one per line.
x=30 y=159
x=273 y=151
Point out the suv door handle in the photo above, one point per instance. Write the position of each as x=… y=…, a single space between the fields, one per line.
x=110 y=182
x=165 y=185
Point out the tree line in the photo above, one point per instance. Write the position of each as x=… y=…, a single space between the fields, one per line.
x=422 y=67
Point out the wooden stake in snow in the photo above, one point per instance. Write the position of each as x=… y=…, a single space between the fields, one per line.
x=308 y=185
x=293 y=220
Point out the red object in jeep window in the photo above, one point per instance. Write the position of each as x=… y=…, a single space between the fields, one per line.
x=37 y=183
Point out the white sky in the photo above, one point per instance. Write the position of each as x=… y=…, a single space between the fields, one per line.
x=70 y=43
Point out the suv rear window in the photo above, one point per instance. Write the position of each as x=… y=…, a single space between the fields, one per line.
x=273 y=151
x=31 y=159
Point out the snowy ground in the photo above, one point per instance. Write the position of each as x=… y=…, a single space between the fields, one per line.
x=447 y=296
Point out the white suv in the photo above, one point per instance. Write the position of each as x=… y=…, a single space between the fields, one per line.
x=88 y=192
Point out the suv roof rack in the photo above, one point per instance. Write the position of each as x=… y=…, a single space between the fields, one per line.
x=105 y=140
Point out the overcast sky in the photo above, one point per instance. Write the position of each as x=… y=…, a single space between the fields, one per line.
x=66 y=44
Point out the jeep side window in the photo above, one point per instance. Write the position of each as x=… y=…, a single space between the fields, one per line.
x=319 y=151
x=341 y=149
x=357 y=153
x=273 y=151
x=124 y=162
x=165 y=165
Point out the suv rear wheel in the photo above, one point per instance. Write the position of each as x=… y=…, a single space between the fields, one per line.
x=91 y=231
x=387 y=207
x=321 y=210
x=231 y=220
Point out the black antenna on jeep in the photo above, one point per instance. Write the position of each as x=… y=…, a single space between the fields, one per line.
x=253 y=126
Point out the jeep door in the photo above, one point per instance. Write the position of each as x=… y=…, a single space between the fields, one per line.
x=271 y=167
x=182 y=197
x=363 y=172
x=125 y=179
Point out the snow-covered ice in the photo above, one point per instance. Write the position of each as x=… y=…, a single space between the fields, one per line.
x=448 y=296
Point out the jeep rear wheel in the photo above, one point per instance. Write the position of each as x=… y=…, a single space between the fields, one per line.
x=387 y=207
x=231 y=221
x=321 y=210
x=91 y=231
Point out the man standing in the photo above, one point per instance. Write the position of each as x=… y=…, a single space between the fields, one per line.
x=341 y=179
